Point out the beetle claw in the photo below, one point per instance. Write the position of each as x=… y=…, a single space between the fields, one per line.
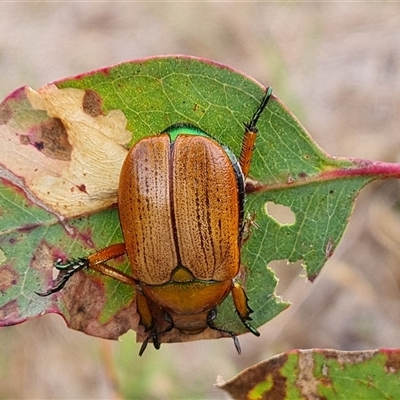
x=253 y=330
x=154 y=335
x=237 y=344
x=251 y=126
x=144 y=345
x=156 y=343
x=212 y=314
x=67 y=270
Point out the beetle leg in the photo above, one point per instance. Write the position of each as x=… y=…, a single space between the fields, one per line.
x=106 y=254
x=212 y=314
x=242 y=307
x=67 y=270
x=250 y=135
x=146 y=341
x=147 y=320
x=95 y=262
x=154 y=334
x=106 y=270
x=143 y=308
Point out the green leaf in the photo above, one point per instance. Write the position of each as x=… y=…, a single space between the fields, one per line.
x=326 y=374
x=61 y=151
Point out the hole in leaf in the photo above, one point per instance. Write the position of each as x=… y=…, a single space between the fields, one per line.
x=287 y=274
x=283 y=215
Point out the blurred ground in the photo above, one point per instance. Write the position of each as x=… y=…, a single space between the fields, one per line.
x=337 y=66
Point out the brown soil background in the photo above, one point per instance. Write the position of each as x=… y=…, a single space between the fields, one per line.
x=337 y=67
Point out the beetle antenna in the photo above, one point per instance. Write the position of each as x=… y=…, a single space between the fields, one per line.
x=66 y=271
x=210 y=322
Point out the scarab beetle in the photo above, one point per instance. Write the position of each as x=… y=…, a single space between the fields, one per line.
x=181 y=208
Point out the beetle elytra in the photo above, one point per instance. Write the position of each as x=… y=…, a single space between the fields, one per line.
x=181 y=208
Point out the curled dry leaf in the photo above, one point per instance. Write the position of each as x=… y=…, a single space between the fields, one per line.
x=320 y=374
x=71 y=160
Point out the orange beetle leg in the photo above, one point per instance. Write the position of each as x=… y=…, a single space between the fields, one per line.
x=147 y=320
x=106 y=270
x=143 y=308
x=246 y=153
x=108 y=253
x=250 y=135
x=95 y=262
x=242 y=307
